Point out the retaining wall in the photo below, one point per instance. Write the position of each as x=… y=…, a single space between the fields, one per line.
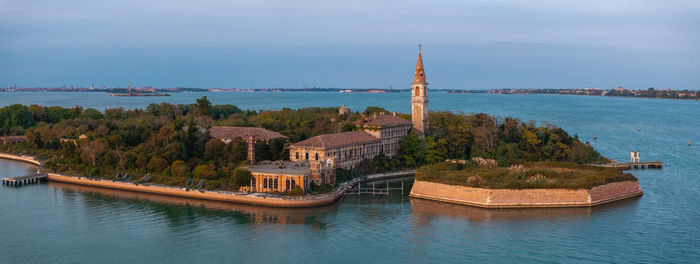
x=26 y=159
x=257 y=199
x=506 y=198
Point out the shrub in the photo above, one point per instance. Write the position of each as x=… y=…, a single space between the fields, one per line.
x=295 y=191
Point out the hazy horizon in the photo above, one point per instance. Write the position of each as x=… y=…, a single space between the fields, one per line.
x=473 y=45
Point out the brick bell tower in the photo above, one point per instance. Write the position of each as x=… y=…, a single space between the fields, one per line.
x=419 y=97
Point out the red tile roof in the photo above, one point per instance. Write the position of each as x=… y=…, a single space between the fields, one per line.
x=228 y=132
x=384 y=120
x=337 y=139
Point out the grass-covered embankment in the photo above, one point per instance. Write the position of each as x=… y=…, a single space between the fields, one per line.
x=536 y=175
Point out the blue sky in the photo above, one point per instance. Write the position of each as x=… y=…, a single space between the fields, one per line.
x=365 y=44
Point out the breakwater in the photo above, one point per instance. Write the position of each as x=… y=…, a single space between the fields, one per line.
x=527 y=198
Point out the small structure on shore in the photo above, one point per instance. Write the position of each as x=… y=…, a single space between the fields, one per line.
x=12 y=139
x=634 y=156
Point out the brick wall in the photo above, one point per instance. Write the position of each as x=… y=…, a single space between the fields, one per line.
x=504 y=198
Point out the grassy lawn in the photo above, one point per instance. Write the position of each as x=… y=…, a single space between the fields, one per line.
x=547 y=175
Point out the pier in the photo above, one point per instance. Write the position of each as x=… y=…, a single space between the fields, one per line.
x=24 y=180
x=636 y=165
x=355 y=186
x=374 y=190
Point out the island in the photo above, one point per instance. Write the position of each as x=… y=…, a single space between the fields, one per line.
x=312 y=156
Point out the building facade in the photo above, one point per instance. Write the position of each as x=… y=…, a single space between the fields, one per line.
x=378 y=134
x=282 y=176
x=389 y=129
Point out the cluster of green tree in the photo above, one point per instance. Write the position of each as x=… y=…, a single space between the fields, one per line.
x=162 y=140
x=508 y=141
x=14 y=119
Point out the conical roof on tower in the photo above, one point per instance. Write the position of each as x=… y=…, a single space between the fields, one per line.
x=419 y=76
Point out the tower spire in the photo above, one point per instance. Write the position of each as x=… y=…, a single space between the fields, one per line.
x=419 y=76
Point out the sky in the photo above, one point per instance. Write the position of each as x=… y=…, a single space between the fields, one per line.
x=480 y=44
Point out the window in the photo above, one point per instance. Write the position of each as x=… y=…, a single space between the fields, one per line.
x=252 y=183
x=293 y=183
x=316 y=156
x=307 y=156
x=275 y=184
x=417 y=91
x=297 y=155
x=287 y=184
x=265 y=183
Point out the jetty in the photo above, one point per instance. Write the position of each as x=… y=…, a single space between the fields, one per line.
x=355 y=186
x=374 y=190
x=636 y=165
x=24 y=180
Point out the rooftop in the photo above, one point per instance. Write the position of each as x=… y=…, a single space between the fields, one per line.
x=337 y=139
x=384 y=120
x=281 y=167
x=230 y=132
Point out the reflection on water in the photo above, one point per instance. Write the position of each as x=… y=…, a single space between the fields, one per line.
x=178 y=210
x=426 y=210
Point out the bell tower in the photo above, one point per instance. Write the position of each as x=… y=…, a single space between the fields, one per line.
x=419 y=97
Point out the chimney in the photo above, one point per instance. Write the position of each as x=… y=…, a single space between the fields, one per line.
x=251 y=149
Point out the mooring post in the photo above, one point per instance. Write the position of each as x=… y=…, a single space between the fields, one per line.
x=402 y=188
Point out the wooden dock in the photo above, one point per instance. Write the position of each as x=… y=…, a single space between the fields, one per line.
x=374 y=190
x=636 y=165
x=24 y=180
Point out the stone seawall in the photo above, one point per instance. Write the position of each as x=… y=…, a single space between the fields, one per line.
x=246 y=198
x=506 y=198
x=26 y=159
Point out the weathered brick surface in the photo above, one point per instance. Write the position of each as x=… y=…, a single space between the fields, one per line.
x=614 y=190
x=524 y=198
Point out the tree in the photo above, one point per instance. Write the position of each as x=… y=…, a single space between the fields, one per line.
x=92 y=150
x=178 y=168
x=204 y=106
x=241 y=177
x=214 y=149
x=204 y=171
x=435 y=150
x=157 y=164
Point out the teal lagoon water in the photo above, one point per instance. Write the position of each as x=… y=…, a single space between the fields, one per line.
x=63 y=223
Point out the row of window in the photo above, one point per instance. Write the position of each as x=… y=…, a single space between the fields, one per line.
x=347 y=153
x=273 y=184
x=394 y=132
